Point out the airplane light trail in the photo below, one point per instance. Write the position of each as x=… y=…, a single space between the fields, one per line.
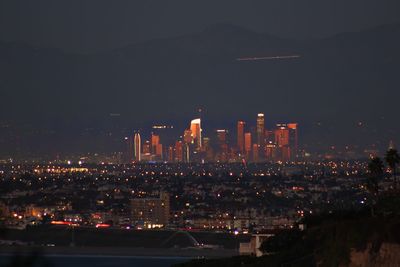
x=267 y=58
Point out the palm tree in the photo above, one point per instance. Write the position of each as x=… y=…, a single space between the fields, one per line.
x=375 y=167
x=392 y=158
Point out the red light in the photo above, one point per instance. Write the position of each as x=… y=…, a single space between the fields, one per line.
x=102 y=225
x=60 y=223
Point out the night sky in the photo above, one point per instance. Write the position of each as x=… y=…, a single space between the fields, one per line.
x=67 y=65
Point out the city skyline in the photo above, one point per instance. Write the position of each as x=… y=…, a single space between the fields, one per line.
x=279 y=143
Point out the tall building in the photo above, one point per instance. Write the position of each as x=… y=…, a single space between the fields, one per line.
x=156 y=147
x=151 y=212
x=170 y=154
x=147 y=148
x=209 y=153
x=240 y=136
x=223 y=149
x=282 y=142
x=178 y=151
x=195 y=127
x=282 y=135
x=222 y=136
x=256 y=153
x=293 y=139
x=187 y=136
x=260 y=129
x=247 y=144
x=137 y=147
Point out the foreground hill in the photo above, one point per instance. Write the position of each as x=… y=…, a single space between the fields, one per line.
x=336 y=239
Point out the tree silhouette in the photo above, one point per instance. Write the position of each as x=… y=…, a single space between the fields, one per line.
x=392 y=158
x=375 y=167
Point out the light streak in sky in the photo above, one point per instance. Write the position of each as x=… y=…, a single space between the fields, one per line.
x=267 y=58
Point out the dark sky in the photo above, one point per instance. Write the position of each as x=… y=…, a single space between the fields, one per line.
x=88 y=25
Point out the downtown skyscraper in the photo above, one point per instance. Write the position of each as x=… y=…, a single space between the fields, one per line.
x=240 y=136
x=260 y=129
x=137 y=147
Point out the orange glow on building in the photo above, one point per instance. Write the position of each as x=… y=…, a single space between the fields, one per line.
x=247 y=144
x=282 y=136
x=260 y=129
x=178 y=151
x=240 y=136
x=187 y=136
x=195 y=127
x=137 y=147
x=255 y=153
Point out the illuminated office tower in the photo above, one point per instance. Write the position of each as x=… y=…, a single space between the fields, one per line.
x=147 y=148
x=186 y=153
x=255 y=153
x=155 y=140
x=209 y=155
x=282 y=135
x=269 y=136
x=247 y=144
x=187 y=136
x=260 y=129
x=137 y=147
x=282 y=142
x=170 y=154
x=270 y=151
x=159 y=151
x=156 y=147
x=240 y=136
x=222 y=137
x=293 y=140
x=195 y=127
x=178 y=151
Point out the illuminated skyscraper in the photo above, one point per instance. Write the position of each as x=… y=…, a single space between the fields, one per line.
x=282 y=135
x=282 y=142
x=260 y=129
x=147 y=148
x=195 y=127
x=240 y=136
x=256 y=152
x=137 y=147
x=178 y=151
x=222 y=138
x=170 y=154
x=247 y=144
x=156 y=147
x=187 y=136
x=155 y=140
x=293 y=140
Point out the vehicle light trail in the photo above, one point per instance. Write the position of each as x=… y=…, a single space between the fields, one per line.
x=267 y=58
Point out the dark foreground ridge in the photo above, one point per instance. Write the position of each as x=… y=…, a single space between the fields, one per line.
x=336 y=239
